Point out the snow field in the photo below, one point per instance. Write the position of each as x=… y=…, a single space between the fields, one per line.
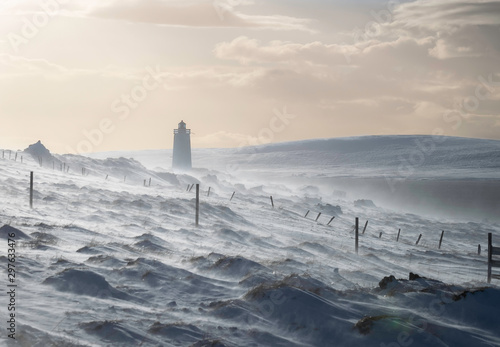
x=110 y=262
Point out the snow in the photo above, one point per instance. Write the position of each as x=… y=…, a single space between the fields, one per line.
x=107 y=260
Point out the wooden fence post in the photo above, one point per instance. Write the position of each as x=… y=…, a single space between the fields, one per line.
x=380 y=235
x=419 y=237
x=232 y=196
x=272 y=202
x=197 y=203
x=307 y=213
x=357 y=235
x=149 y=182
x=479 y=249
x=208 y=193
x=31 y=189
x=364 y=229
x=319 y=214
x=490 y=255
x=191 y=188
x=331 y=220
x=441 y=239
x=399 y=232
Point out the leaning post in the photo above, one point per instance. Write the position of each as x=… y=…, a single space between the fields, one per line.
x=31 y=189
x=441 y=239
x=490 y=255
x=357 y=234
x=197 y=204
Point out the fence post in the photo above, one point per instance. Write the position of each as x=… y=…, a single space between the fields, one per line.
x=399 y=232
x=441 y=239
x=232 y=196
x=380 y=235
x=306 y=214
x=479 y=249
x=208 y=194
x=197 y=203
x=319 y=214
x=419 y=237
x=272 y=202
x=357 y=234
x=149 y=182
x=364 y=229
x=331 y=220
x=490 y=255
x=31 y=189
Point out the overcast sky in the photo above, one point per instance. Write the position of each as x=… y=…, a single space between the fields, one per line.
x=85 y=75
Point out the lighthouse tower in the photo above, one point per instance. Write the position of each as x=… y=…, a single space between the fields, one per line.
x=181 y=159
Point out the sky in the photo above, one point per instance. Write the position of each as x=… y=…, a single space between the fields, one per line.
x=90 y=76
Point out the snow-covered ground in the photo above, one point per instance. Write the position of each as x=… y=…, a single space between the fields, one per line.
x=108 y=261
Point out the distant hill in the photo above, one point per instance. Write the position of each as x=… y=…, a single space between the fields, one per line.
x=367 y=156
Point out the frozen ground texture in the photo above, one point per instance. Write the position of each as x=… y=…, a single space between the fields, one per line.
x=104 y=260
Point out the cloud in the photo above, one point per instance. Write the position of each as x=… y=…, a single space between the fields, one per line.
x=224 y=139
x=187 y=13
x=21 y=65
x=246 y=51
x=12 y=66
x=434 y=16
x=460 y=28
x=217 y=13
x=428 y=59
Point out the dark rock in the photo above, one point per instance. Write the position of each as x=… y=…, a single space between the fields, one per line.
x=464 y=294
x=7 y=229
x=385 y=281
x=414 y=277
x=365 y=324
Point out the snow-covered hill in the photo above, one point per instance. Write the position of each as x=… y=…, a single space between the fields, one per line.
x=367 y=156
x=442 y=177
x=104 y=259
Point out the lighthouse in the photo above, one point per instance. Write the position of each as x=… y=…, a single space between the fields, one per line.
x=181 y=159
